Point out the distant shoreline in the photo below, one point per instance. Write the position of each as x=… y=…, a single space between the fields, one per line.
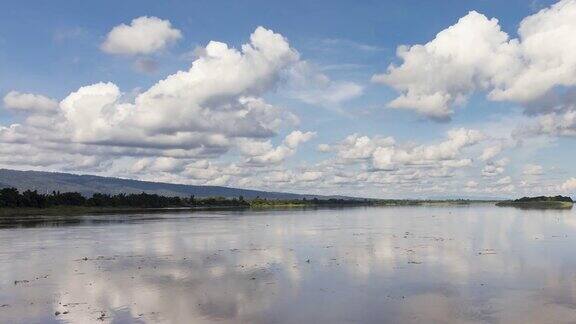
x=87 y=210
x=537 y=204
x=79 y=210
x=541 y=202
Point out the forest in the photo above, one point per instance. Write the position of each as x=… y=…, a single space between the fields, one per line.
x=12 y=198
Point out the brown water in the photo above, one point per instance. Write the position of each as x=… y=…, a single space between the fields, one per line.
x=476 y=264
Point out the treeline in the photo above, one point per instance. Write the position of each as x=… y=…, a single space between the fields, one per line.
x=12 y=198
x=259 y=202
x=544 y=199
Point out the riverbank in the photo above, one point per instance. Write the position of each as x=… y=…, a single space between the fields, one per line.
x=540 y=202
x=256 y=204
x=81 y=210
x=537 y=204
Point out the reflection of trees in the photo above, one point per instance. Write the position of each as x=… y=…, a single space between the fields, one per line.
x=365 y=265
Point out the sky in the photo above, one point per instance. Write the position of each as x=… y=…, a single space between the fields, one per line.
x=385 y=99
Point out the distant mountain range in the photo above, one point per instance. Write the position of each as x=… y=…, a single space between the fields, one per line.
x=46 y=182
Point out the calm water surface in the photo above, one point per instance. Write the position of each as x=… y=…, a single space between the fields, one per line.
x=476 y=264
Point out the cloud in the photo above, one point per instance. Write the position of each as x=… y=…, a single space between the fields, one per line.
x=504 y=181
x=384 y=154
x=306 y=83
x=355 y=147
x=387 y=158
x=180 y=129
x=494 y=168
x=324 y=148
x=162 y=164
x=144 y=35
x=442 y=73
x=462 y=163
x=29 y=102
x=471 y=184
x=569 y=185
x=198 y=113
x=209 y=124
x=207 y=172
x=490 y=152
x=554 y=124
x=545 y=56
x=263 y=153
x=532 y=169
x=213 y=101
x=279 y=177
x=297 y=137
x=476 y=55
x=301 y=178
x=310 y=176
x=331 y=43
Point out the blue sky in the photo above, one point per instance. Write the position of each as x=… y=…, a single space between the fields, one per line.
x=50 y=50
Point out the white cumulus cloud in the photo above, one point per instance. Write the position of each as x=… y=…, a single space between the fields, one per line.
x=144 y=35
x=265 y=154
x=201 y=112
x=447 y=151
x=29 y=102
x=532 y=169
x=476 y=55
x=569 y=185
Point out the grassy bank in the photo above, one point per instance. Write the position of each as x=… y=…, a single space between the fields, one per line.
x=252 y=204
x=540 y=202
x=81 y=210
x=537 y=204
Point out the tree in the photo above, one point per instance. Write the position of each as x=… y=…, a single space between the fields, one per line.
x=9 y=197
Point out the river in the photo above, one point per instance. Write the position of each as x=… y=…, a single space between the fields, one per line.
x=461 y=264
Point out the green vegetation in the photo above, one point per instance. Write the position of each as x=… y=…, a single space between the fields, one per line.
x=556 y=202
x=315 y=202
x=13 y=202
x=12 y=198
x=350 y=202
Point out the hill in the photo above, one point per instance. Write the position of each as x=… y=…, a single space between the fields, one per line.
x=46 y=182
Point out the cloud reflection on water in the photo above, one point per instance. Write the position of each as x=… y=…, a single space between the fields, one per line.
x=465 y=264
